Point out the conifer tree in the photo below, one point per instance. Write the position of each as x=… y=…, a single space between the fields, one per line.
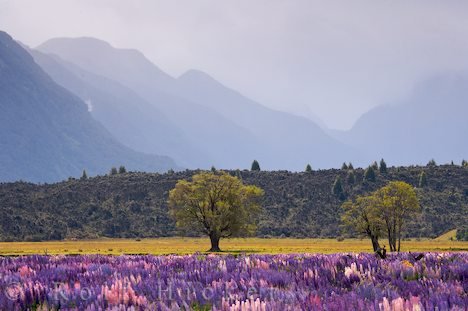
x=337 y=188
x=383 y=166
x=344 y=166
x=308 y=168
x=255 y=166
x=422 y=180
x=84 y=176
x=351 y=178
x=369 y=174
x=113 y=171
x=122 y=169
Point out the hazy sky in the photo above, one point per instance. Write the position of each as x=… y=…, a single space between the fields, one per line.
x=335 y=59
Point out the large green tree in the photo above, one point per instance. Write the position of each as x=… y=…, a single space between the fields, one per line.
x=216 y=204
x=398 y=203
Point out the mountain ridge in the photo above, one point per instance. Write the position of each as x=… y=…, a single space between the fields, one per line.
x=46 y=132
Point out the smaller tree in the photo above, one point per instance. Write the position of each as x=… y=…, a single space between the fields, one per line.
x=422 y=180
x=113 y=171
x=375 y=166
x=344 y=166
x=84 y=175
x=213 y=169
x=369 y=174
x=464 y=163
x=350 y=166
x=308 y=168
x=362 y=216
x=432 y=163
x=122 y=169
x=255 y=166
x=337 y=188
x=383 y=167
x=398 y=202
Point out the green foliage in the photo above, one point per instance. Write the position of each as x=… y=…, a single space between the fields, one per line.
x=113 y=171
x=337 y=188
x=294 y=205
x=464 y=163
x=218 y=205
x=398 y=203
x=369 y=174
x=213 y=169
x=255 y=166
x=351 y=178
x=422 y=180
x=308 y=168
x=122 y=169
x=375 y=166
x=388 y=208
x=462 y=234
x=84 y=176
x=432 y=163
x=362 y=216
x=344 y=166
x=350 y=166
x=383 y=166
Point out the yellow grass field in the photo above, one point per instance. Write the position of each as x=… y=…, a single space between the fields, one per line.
x=162 y=246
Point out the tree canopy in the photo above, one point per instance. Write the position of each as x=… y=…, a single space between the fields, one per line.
x=255 y=166
x=388 y=208
x=216 y=204
x=362 y=216
x=398 y=202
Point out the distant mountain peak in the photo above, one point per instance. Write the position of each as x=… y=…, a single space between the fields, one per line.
x=82 y=40
x=198 y=77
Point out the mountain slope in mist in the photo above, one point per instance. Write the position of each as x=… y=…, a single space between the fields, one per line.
x=47 y=133
x=431 y=123
x=230 y=128
x=128 y=117
x=219 y=138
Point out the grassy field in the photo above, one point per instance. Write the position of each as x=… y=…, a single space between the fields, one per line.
x=192 y=245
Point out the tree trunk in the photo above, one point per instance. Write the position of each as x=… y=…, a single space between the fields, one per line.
x=214 y=238
x=375 y=243
x=399 y=237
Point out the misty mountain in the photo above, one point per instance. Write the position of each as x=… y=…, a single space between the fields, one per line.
x=128 y=117
x=229 y=127
x=224 y=143
x=47 y=133
x=292 y=140
x=430 y=123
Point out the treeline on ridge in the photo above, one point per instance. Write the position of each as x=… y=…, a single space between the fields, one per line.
x=303 y=204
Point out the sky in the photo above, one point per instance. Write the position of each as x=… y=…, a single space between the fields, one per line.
x=328 y=60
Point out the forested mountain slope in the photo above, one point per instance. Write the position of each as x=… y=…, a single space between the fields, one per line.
x=295 y=204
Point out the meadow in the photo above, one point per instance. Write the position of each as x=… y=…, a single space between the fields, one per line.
x=164 y=246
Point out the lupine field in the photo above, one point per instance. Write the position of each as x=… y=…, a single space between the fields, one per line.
x=439 y=281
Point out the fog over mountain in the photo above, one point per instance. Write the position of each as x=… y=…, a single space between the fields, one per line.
x=229 y=127
x=163 y=84
x=47 y=133
x=334 y=59
x=431 y=122
x=130 y=118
